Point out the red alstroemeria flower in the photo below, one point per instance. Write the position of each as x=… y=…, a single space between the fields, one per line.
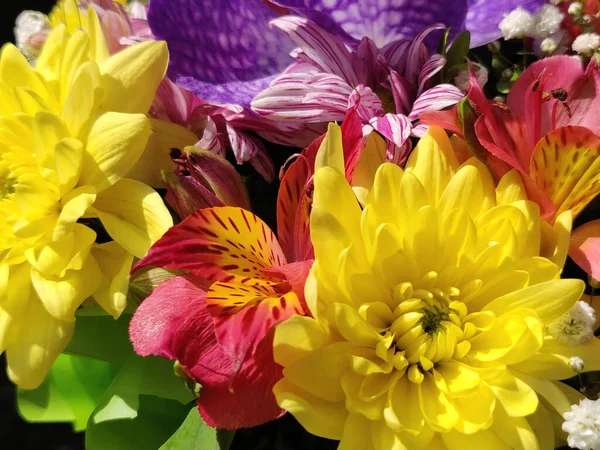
x=240 y=281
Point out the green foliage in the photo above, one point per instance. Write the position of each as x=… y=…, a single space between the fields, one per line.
x=195 y=434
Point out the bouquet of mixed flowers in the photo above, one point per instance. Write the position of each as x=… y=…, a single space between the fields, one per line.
x=293 y=224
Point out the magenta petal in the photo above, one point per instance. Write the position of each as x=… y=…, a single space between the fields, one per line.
x=436 y=99
x=223 y=51
x=394 y=127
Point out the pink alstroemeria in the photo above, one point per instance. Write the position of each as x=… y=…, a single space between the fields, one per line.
x=389 y=86
x=240 y=281
x=548 y=131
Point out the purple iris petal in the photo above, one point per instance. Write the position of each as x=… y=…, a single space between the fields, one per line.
x=223 y=51
x=383 y=20
x=485 y=15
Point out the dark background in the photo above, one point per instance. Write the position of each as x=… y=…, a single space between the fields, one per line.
x=15 y=434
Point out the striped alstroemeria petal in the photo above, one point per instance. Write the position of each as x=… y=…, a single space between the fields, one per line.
x=325 y=49
x=312 y=98
x=434 y=64
x=402 y=91
x=366 y=102
x=394 y=127
x=211 y=140
x=436 y=99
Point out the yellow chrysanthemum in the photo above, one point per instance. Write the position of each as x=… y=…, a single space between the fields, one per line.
x=430 y=308
x=70 y=130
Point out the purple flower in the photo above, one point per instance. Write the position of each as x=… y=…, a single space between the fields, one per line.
x=390 y=88
x=225 y=52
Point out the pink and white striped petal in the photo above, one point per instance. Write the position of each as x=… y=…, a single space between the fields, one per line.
x=436 y=99
x=366 y=102
x=434 y=64
x=417 y=54
x=402 y=91
x=325 y=49
x=394 y=127
x=211 y=139
x=308 y=97
x=249 y=149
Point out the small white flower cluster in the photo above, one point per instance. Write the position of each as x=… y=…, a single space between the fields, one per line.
x=583 y=425
x=586 y=44
x=576 y=327
x=31 y=29
x=520 y=23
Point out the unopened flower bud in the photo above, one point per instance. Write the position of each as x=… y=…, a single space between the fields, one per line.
x=507 y=74
x=548 y=46
x=576 y=364
x=575 y=9
x=494 y=47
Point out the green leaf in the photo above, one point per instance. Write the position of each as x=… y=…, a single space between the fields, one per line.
x=101 y=337
x=142 y=407
x=458 y=50
x=70 y=393
x=195 y=434
x=155 y=421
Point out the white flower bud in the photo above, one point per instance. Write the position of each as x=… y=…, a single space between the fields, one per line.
x=548 y=46
x=575 y=9
x=583 y=425
x=516 y=25
x=576 y=364
x=586 y=44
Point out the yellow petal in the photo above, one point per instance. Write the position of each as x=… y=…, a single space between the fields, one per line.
x=515 y=431
x=15 y=71
x=317 y=416
x=83 y=98
x=74 y=206
x=550 y=300
x=115 y=143
x=331 y=151
x=115 y=264
x=74 y=55
x=62 y=296
x=517 y=397
x=433 y=162
x=155 y=159
x=296 y=338
x=98 y=47
x=35 y=344
x=557 y=394
x=510 y=189
x=373 y=155
x=130 y=77
x=50 y=61
x=133 y=214
x=331 y=362
x=15 y=289
x=551 y=362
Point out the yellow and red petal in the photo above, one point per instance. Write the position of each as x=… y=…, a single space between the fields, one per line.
x=565 y=164
x=225 y=243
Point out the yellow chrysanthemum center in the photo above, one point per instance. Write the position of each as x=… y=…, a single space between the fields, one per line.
x=430 y=302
